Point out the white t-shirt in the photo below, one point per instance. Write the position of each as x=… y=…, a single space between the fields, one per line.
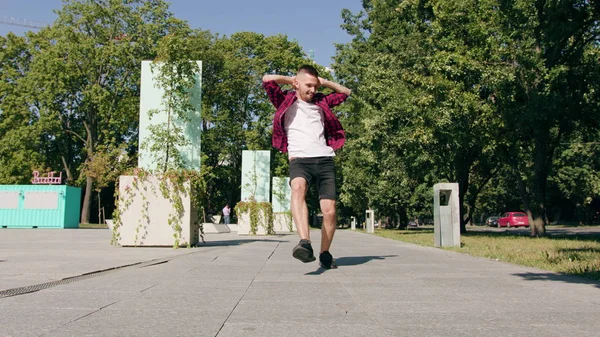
x=305 y=131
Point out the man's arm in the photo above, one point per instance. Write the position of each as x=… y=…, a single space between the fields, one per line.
x=271 y=84
x=340 y=89
x=279 y=79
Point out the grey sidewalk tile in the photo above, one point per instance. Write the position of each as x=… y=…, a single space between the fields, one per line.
x=427 y=308
x=493 y=309
x=199 y=287
x=302 y=312
x=165 y=301
x=471 y=330
x=381 y=288
x=178 y=321
x=217 y=269
x=375 y=293
x=478 y=329
x=26 y=322
x=296 y=291
x=50 y=300
x=488 y=317
x=308 y=329
x=276 y=275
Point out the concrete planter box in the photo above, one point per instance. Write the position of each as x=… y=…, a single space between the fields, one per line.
x=280 y=223
x=145 y=222
x=244 y=224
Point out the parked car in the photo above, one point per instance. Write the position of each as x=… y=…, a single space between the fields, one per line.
x=513 y=219
x=492 y=221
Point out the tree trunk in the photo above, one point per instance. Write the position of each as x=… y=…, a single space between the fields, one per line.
x=463 y=187
x=537 y=228
x=67 y=170
x=538 y=218
x=89 y=181
x=85 y=210
x=99 y=208
x=544 y=152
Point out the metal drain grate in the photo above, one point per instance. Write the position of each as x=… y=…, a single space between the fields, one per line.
x=42 y=286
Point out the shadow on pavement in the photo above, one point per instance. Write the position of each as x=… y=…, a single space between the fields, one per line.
x=557 y=277
x=356 y=260
x=350 y=261
x=224 y=243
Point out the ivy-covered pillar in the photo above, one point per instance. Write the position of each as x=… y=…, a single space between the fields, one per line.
x=254 y=212
x=155 y=115
x=156 y=204
x=281 y=196
x=256 y=175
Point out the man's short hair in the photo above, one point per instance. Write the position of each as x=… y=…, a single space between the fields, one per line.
x=308 y=69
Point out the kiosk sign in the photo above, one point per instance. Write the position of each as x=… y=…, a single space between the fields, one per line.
x=48 y=180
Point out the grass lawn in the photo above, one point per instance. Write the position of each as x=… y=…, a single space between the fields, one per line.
x=571 y=255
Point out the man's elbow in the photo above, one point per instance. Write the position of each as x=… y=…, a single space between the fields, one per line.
x=348 y=92
x=266 y=78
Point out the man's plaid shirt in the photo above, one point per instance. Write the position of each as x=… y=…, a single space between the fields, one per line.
x=282 y=100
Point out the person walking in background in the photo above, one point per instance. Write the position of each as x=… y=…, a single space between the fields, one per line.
x=305 y=127
x=226 y=213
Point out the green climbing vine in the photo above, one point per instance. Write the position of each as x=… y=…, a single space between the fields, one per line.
x=259 y=213
x=289 y=220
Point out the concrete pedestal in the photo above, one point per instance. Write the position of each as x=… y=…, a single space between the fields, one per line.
x=446 y=215
x=145 y=214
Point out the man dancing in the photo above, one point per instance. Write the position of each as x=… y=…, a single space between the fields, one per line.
x=305 y=127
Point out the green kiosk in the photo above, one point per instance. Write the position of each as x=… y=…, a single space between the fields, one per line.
x=44 y=204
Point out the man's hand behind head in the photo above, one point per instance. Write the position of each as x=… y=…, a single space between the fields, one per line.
x=321 y=81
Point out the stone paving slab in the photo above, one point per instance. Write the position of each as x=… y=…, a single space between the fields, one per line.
x=34 y=256
x=251 y=286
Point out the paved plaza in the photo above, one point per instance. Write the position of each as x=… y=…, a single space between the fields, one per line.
x=59 y=283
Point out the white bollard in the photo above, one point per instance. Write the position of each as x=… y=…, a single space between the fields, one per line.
x=370 y=221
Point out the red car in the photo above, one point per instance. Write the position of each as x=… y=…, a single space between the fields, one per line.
x=513 y=219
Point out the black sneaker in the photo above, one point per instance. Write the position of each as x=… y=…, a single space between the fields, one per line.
x=304 y=252
x=327 y=261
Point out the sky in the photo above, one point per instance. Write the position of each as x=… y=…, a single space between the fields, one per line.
x=316 y=26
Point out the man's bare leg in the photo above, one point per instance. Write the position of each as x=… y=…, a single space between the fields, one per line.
x=329 y=220
x=299 y=208
x=303 y=251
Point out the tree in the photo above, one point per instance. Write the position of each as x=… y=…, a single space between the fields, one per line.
x=551 y=52
x=444 y=90
x=22 y=129
x=575 y=181
x=87 y=72
x=236 y=114
x=421 y=77
x=105 y=167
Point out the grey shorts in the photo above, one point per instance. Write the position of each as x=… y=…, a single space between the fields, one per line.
x=318 y=169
